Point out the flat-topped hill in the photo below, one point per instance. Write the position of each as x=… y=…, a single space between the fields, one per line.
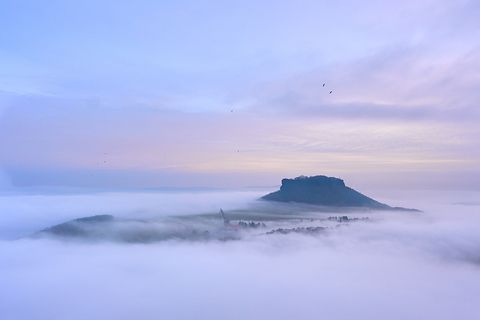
x=324 y=191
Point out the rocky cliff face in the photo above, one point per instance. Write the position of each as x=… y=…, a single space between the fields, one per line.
x=322 y=190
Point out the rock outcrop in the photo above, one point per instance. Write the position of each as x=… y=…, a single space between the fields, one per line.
x=324 y=191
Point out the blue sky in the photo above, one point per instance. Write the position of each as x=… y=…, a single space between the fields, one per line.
x=146 y=89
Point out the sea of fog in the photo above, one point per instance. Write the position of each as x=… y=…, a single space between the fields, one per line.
x=396 y=265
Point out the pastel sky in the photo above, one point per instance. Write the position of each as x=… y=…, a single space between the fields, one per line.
x=230 y=93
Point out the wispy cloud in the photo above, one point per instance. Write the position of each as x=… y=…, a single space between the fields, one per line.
x=399 y=85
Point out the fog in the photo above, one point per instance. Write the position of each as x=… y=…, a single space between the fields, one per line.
x=24 y=214
x=395 y=265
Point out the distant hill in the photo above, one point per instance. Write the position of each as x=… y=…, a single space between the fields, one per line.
x=324 y=191
x=78 y=227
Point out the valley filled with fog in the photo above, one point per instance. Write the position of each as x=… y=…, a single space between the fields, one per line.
x=178 y=160
x=373 y=264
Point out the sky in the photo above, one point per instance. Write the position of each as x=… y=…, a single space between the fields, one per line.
x=144 y=94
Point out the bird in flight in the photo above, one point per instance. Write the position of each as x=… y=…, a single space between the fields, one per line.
x=324 y=85
x=330 y=92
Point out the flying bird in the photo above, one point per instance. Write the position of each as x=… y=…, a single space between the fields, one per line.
x=324 y=85
x=331 y=92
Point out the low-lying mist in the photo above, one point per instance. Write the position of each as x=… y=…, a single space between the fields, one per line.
x=25 y=214
x=390 y=266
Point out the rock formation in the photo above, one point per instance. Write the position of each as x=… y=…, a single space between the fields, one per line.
x=324 y=191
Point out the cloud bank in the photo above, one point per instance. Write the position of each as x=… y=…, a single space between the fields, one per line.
x=395 y=266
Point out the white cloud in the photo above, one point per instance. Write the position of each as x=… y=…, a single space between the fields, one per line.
x=396 y=267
